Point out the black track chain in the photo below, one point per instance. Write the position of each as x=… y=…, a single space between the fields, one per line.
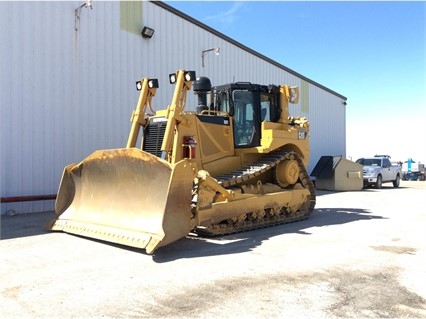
x=247 y=173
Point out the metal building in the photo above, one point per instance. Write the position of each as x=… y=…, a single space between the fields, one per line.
x=67 y=84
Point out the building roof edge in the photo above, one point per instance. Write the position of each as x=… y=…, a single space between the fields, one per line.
x=242 y=46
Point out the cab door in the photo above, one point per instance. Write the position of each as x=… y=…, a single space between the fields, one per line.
x=387 y=170
x=245 y=119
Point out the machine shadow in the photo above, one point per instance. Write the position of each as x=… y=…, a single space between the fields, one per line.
x=23 y=225
x=32 y=224
x=191 y=247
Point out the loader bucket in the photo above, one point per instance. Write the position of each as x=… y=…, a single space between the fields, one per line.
x=125 y=196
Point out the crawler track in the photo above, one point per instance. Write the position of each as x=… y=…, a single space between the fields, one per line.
x=249 y=174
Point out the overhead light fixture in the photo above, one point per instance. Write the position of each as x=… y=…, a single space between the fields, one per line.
x=77 y=12
x=204 y=52
x=147 y=32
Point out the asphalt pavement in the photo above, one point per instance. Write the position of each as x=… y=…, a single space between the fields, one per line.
x=360 y=255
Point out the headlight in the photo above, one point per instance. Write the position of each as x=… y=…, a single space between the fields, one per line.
x=172 y=78
x=190 y=76
x=153 y=83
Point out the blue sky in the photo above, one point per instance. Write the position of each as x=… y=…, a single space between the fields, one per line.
x=371 y=52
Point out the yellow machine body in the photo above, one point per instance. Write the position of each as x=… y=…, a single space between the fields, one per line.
x=210 y=172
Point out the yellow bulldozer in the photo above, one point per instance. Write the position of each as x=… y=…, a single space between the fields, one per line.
x=236 y=163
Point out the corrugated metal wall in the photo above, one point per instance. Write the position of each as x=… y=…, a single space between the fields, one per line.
x=65 y=92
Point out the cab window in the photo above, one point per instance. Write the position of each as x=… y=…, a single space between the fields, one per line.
x=269 y=107
x=223 y=102
x=244 y=117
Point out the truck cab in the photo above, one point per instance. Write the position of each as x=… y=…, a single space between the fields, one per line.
x=378 y=170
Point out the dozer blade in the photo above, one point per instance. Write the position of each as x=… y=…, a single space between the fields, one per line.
x=125 y=196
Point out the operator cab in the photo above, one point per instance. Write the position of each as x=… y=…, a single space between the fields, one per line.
x=248 y=105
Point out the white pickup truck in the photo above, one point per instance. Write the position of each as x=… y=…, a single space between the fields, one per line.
x=378 y=170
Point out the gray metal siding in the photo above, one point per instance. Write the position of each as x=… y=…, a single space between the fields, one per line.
x=328 y=125
x=66 y=93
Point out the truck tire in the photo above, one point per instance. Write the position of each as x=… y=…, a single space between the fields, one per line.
x=378 y=184
x=396 y=181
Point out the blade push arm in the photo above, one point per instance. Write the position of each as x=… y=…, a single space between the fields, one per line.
x=148 y=88
x=183 y=80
